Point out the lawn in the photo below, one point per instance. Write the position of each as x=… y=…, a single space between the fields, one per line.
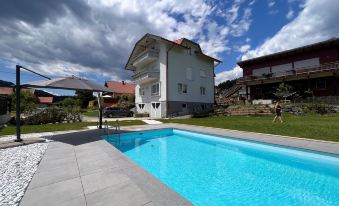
x=91 y=113
x=310 y=126
x=61 y=127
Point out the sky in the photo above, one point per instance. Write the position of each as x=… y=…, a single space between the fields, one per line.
x=93 y=39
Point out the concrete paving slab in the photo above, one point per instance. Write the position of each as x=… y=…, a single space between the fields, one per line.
x=126 y=194
x=88 y=167
x=103 y=179
x=78 y=201
x=58 y=174
x=53 y=194
x=48 y=165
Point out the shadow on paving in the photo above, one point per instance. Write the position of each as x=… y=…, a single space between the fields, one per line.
x=83 y=137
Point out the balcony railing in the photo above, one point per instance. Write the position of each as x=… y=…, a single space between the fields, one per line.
x=328 y=67
x=145 y=76
x=145 y=57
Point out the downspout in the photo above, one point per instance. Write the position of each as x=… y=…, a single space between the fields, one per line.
x=214 y=66
x=167 y=105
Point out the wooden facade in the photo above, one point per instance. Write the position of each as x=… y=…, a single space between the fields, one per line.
x=312 y=68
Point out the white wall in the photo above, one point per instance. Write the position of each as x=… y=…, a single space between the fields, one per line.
x=179 y=60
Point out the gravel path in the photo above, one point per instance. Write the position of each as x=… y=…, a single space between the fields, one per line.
x=17 y=167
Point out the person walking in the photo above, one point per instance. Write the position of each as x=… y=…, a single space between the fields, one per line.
x=277 y=108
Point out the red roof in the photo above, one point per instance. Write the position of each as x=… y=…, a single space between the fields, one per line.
x=6 y=90
x=45 y=100
x=179 y=41
x=121 y=87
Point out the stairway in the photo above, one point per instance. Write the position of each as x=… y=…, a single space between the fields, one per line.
x=232 y=90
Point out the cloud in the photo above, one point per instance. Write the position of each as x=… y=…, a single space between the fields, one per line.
x=236 y=72
x=310 y=26
x=290 y=14
x=94 y=38
x=270 y=3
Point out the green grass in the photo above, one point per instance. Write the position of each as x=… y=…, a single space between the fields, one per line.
x=91 y=113
x=310 y=126
x=61 y=127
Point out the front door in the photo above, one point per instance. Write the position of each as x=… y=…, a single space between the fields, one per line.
x=156 y=109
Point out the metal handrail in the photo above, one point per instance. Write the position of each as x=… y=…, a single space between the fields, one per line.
x=306 y=70
x=117 y=129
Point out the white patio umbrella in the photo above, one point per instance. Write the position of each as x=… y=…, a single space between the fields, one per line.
x=69 y=83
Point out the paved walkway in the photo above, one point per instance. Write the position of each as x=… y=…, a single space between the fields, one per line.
x=82 y=169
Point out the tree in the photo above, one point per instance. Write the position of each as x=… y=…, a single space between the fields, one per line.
x=283 y=91
x=226 y=84
x=84 y=96
x=27 y=101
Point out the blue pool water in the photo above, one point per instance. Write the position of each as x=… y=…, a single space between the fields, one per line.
x=211 y=170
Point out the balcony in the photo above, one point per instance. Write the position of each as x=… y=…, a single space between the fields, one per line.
x=323 y=70
x=145 y=58
x=145 y=77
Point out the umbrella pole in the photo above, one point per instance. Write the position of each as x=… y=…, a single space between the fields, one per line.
x=17 y=114
x=100 y=110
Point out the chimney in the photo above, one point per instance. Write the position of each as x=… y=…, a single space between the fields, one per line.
x=123 y=82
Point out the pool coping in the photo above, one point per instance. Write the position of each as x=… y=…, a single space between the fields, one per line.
x=286 y=141
x=75 y=165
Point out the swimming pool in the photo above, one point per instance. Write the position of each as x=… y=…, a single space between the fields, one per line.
x=212 y=170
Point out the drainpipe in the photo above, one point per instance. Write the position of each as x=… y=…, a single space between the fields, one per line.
x=167 y=106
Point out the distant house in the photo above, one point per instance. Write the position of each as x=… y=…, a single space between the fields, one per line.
x=45 y=98
x=124 y=90
x=172 y=77
x=312 y=68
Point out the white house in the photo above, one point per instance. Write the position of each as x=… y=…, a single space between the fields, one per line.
x=172 y=78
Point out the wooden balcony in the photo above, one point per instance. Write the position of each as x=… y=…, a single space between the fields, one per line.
x=323 y=70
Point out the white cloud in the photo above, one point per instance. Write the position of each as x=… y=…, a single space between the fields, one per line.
x=228 y=75
x=244 y=48
x=290 y=14
x=270 y=3
x=310 y=26
x=96 y=37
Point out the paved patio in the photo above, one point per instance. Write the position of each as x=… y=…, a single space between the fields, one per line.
x=82 y=169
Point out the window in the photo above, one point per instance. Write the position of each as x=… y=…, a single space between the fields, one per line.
x=182 y=88
x=184 y=106
x=202 y=91
x=141 y=91
x=141 y=106
x=202 y=73
x=155 y=89
x=189 y=74
x=320 y=84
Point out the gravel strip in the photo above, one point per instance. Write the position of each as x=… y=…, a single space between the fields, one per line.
x=17 y=167
x=41 y=134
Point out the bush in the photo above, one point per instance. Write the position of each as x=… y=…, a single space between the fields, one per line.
x=49 y=115
x=316 y=108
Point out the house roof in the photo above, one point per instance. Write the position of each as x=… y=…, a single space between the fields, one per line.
x=298 y=50
x=121 y=87
x=6 y=90
x=141 y=44
x=45 y=100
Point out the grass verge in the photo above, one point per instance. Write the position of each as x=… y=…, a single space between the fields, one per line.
x=61 y=127
x=310 y=126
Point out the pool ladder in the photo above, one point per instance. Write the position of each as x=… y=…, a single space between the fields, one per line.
x=117 y=130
